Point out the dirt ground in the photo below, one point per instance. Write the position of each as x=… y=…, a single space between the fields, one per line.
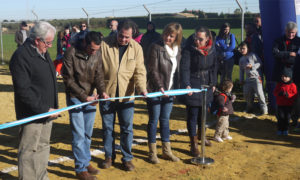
x=254 y=153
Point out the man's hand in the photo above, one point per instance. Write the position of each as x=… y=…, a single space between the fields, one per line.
x=105 y=96
x=53 y=115
x=213 y=88
x=144 y=93
x=92 y=98
x=293 y=54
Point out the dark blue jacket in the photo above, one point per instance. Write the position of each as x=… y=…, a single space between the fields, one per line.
x=34 y=81
x=282 y=56
x=197 y=70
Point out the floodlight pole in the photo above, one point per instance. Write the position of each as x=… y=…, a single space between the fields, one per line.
x=242 y=10
x=2 y=60
x=149 y=13
x=87 y=15
x=36 y=16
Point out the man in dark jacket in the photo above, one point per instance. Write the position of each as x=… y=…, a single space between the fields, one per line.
x=113 y=27
x=82 y=74
x=148 y=38
x=34 y=82
x=22 y=34
x=285 y=50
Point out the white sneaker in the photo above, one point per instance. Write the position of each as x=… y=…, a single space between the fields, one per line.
x=218 y=139
x=227 y=138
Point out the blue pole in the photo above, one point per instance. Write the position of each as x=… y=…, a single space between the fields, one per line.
x=275 y=14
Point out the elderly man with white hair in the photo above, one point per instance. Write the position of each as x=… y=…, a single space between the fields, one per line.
x=34 y=82
x=285 y=50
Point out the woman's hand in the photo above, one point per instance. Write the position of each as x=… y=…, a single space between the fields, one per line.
x=163 y=91
x=191 y=93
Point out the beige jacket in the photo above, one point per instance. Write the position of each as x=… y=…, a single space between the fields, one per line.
x=129 y=75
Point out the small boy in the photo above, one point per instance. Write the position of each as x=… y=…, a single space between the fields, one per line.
x=285 y=93
x=250 y=64
x=224 y=101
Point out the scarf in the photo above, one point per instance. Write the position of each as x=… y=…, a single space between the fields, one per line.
x=204 y=49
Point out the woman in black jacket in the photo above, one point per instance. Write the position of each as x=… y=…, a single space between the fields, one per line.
x=198 y=68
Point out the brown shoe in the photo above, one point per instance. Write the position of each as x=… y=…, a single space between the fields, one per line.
x=85 y=176
x=92 y=170
x=107 y=163
x=194 y=146
x=128 y=166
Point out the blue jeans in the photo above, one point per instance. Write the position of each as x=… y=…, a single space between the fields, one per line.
x=193 y=118
x=159 y=108
x=82 y=122
x=125 y=110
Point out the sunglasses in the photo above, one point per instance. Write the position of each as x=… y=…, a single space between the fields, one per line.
x=198 y=39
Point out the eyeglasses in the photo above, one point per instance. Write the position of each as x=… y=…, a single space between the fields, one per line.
x=47 y=43
x=83 y=26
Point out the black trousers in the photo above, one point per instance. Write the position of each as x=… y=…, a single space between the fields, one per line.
x=283 y=117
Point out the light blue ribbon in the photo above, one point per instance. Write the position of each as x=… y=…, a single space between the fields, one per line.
x=175 y=92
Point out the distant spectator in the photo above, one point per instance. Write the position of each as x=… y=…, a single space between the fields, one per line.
x=149 y=37
x=113 y=27
x=81 y=35
x=59 y=46
x=74 y=31
x=66 y=38
x=252 y=39
x=225 y=44
x=22 y=34
x=137 y=35
x=257 y=22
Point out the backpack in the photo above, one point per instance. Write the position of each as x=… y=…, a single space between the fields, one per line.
x=214 y=107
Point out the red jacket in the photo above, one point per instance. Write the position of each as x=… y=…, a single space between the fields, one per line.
x=289 y=89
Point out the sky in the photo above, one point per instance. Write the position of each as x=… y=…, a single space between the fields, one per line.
x=67 y=9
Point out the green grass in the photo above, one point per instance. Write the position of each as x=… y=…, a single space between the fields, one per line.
x=9 y=45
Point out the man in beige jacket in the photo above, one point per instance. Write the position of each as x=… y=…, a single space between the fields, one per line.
x=124 y=73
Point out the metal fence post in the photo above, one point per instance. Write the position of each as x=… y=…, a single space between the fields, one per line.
x=202 y=159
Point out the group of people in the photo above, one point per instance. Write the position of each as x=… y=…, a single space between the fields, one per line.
x=116 y=66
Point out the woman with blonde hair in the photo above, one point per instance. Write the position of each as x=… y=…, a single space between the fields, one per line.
x=163 y=67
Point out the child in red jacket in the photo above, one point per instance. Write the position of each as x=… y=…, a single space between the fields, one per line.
x=285 y=93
